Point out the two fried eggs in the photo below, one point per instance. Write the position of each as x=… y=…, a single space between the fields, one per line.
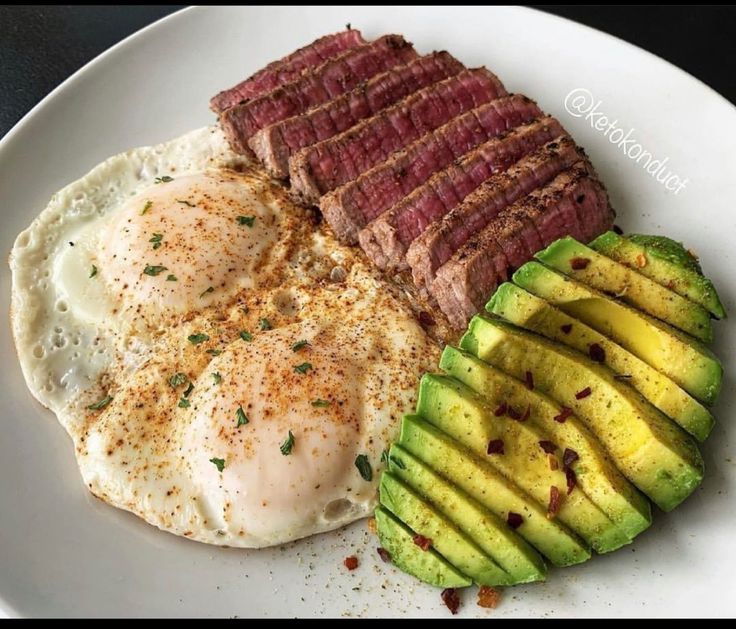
x=226 y=370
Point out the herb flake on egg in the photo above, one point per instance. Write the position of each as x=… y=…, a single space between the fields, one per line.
x=288 y=444
x=218 y=463
x=154 y=270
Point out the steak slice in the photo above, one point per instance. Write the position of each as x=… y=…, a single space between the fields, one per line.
x=573 y=203
x=386 y=238
x=354 y=204
x=328 y=80
x=276 y=143
x=434 y=246
x=287 y=69
x=322 y=167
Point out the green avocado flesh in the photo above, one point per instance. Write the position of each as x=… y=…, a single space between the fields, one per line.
x=525 y=310
x=585 y=265
x=461 y=413
x=513 y=555
x=688 y=363
x=664 y=261
x=480 y=480
x=596 y=474
x=651 y=451
x=449 y=541
x=428 y=566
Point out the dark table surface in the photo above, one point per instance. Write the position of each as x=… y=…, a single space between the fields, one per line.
x=40 y=46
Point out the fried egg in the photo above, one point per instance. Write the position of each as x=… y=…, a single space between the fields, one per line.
x=226 y=370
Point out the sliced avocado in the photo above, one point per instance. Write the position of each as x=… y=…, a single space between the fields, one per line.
x=533 y=313
x=653 y=452
x=449 y=541
x=517 y=558
x=426 y=565
x=666 y=262
x=596 y=474
x=583 y=264
x=480 y=480
x=464 y=415
x=689 y=363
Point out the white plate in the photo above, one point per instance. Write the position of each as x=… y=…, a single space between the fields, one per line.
x=64 y=553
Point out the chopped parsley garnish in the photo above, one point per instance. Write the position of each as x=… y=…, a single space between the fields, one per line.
x=146 y=207
x=98 y=406
x=264 y=324
x=364 y=467
x=218 y=463
x=178 y=379
x=189 y=390
x=384 y=457
x=241 y=416
x=214 y=352
x=397 y=462
x=154 y=270
x=321 y=403
x=199 y=337
x=303 y=368
x=211 y=289
x=245 y=335
x=164 y=179
x=171 y=278
x=298 y=345
x=185 y=202
x=156 y=240
x=246 y=220
x=288 y=445
x=93 y=272
x=183 y=403
x=217 y=377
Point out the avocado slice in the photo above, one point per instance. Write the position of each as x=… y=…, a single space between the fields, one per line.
x=666 y=262
x=464 y=415
x=576 y=260
x=533 y=313
x=480 y=480
x=596 y=475
x=517 y=558
x=449 y=541
x=689 y=363
x=426 y=565
x=653 y=452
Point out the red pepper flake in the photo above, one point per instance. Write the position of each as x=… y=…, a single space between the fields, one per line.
x=451 y=599
x=423 y=542
x=384 y=554
x=597 y=353
x=547 y=446
x=571 y=480
x=553 y=508
x=566 y=328
x=529 y=381
x=580 y=395
x=564 y=414
x=426 y=319
x=569 y=457
x=578 y=264
x=351 y=563
x=495 y=446
x=514 y=520
x=501 y=410
x=488 y=597
x=513 y=413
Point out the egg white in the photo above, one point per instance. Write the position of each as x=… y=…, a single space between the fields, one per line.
x=264 y=314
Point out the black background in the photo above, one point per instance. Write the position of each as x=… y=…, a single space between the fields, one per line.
x=40 y=46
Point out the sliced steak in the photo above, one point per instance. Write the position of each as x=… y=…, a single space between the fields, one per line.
x=386 y=238
x=573 y=203
x=328 y=80
x=354 y=204
x=322 y=167
x=287 y=69
x=276 y=143
x=435 y=245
